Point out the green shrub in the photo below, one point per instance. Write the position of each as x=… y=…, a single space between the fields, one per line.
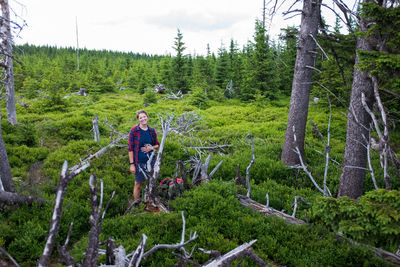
x=373 y=219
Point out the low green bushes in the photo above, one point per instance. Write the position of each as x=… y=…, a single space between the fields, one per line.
x=373 y=219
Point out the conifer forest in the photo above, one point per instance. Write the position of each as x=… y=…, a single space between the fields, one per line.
x=280 y=152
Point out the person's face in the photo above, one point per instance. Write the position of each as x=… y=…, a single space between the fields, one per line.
x=142 y=119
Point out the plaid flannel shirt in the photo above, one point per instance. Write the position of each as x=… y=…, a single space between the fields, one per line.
x=134 y=141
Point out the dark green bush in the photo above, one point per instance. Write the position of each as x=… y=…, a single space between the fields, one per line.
x=373 y=219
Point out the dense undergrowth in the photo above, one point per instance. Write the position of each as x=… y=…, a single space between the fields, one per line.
x=38 y=146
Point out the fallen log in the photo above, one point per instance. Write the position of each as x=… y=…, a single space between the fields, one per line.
x=267 y=211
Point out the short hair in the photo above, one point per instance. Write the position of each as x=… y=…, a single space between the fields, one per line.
x=140 y=111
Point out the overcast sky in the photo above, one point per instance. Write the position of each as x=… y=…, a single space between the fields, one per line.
x=142 y=26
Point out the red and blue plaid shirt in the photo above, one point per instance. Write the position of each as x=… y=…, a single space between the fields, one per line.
x=134 y=141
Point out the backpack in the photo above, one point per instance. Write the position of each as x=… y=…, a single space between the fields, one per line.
x=169 y=189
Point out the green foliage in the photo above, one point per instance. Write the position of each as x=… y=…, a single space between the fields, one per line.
x=150 y=97
x=373 y=219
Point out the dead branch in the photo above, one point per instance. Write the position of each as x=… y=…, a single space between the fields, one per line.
x=382 y=139
x=173 y=96
x=369 y=161
x=95 y=128
x=304 y=168
x=234 y=254
x=268 y=211
x=62 y=250
x=150 y=195
x=3 y=251
x=250 y=164
x=315 y=40
x=55 y=219
x=187 y=123
x=111 y=126
x=296 y=198
x=10 y=198
x=96 y=220
x=84 y=164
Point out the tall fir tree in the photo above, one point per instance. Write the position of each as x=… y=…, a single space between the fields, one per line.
x=179 y=65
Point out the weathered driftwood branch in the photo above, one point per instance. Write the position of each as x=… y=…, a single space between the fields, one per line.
x=211 y=148
x=250 y=164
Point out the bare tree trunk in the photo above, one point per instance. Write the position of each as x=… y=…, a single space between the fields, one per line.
x=96 y=131
x=305 y=60
x=355 y=155
x=6 y=182
x=7 y=62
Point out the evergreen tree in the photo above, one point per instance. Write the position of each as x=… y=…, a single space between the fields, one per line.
x=179 y=65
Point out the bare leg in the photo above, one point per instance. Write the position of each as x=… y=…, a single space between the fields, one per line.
x=136 y=190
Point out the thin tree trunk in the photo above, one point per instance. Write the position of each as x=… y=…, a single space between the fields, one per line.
x=6 y=47
x=358 y=120
x=5 y=170
x=305 y=60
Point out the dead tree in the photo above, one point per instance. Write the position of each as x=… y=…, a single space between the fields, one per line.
x=200 y=169
x=65 y=177
x=150 y=195
x=95 y=128
x=96 y=220
x=305 y=61
x=6 y=182
x=250 y=165
x=7 y=60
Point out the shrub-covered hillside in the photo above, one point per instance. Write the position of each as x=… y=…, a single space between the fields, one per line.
x=45 y=138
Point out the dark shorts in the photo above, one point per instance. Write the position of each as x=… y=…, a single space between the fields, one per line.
x=140 y=177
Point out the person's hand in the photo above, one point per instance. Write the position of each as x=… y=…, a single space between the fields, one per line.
x=132 y=168
x=147 y=148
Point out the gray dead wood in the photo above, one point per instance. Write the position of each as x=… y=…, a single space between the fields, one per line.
x=267 y=211
x=6 y=44
x=10 y=198
x=3 y=251
x=250 y=165
x=234 y=254
x=95 y=128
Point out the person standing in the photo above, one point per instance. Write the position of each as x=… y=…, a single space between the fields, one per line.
x=142 y=141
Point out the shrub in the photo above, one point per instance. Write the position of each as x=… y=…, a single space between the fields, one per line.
x=374 y=219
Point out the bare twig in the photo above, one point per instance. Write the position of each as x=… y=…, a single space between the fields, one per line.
x=2 y=250
x=250 y=164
